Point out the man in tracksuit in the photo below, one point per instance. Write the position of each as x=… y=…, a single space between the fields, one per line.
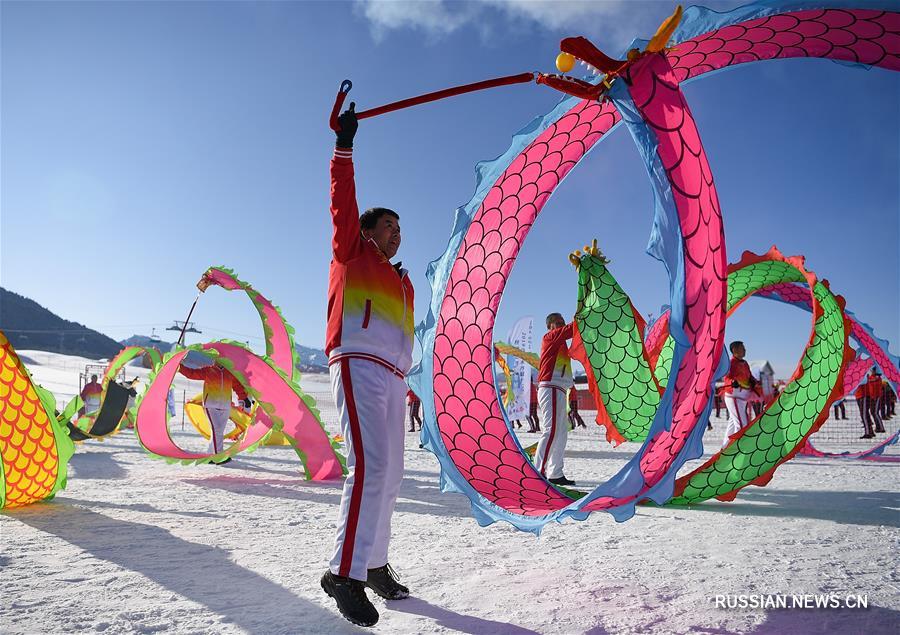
x=554 y=381
x=862 y=402
x=874 y=392
x=369 y=346
x=574 y=416
x=740 y=387
x=90 y=395
x=414 y=406
x=534 y=423
x=218 y=384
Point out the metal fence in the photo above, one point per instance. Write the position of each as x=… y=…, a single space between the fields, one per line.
x=835 y=435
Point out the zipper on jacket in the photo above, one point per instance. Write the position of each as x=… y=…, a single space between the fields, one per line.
x=403 y=320
x=368 y=313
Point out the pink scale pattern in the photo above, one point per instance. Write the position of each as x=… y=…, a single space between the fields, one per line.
x=468 y=415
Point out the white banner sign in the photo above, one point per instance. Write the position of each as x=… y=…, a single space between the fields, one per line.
x=520 y=336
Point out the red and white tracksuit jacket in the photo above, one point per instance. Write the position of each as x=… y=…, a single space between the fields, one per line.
x=738 y=373
x=217 y=386
x=554 y=381
x=369 y=346
x=736 y=397
x=370 y=301
x=90 y=395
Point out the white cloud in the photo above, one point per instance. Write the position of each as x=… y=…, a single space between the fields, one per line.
x=438 y=18
x=434 y=17
x=557 y=14
x=442 y=17
x=611 y=24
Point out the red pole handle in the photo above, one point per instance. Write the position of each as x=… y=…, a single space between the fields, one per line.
x=447 y=92
x=346 y=85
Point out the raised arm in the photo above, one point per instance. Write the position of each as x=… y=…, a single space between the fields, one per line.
x=346 y=241
x=238 y=388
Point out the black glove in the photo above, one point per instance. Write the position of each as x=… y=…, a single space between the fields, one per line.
x=247 y=403
x=348 y=124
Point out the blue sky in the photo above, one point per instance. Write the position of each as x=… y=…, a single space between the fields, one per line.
x=143 y=142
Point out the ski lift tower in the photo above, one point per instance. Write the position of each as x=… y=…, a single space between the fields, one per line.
x=181 y=325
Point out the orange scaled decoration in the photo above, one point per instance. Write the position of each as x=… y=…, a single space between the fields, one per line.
x=34 y=447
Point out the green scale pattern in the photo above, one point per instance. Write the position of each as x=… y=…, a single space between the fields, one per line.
x=782 y=427
x=741 y=284
x=616 y=353
x=615 y=350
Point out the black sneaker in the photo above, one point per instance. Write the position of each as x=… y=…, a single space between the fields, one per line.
x=351 y=599
x=562 y=480
x=384 y=581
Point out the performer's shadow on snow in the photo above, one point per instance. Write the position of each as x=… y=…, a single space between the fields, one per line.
x=200 y=573
x=96 y=465
x=455 y=621
x=849 y=508
x=433 y=501
x=140 y=507
x=246 y=466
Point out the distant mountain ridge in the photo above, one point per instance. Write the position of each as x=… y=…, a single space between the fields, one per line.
x=146 y=340
x=29 y=325
x=312 y=360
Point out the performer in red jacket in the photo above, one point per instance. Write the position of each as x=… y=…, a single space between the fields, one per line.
x=90 y=395
x=217 y=386
x=874 y=392
x=554 y=381
x=862 y=402
x=414 y=405
x=739 y=388
x=369 y=343
x=574 y=416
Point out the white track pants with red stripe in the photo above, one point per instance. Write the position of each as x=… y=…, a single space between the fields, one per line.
x=736 y=404
x=371 y=401
x=218 y=415
x=551 y=449
x=91 y=405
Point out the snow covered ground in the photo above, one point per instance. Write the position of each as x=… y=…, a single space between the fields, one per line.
x=137 y=546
